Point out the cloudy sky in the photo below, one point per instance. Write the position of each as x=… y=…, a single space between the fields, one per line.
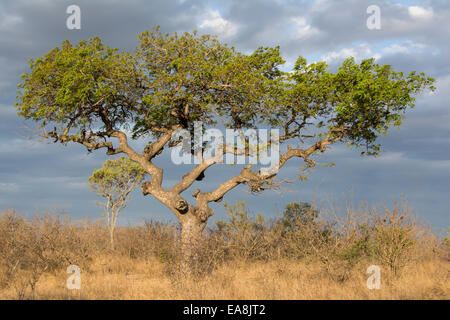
x=414 y=35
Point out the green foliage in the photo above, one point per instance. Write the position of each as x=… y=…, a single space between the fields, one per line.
x=296 y=214
x=88 y=84
x=115 y=177
x=446 y=240
x=359 y=101
x=357 y=249
x=88 y=90
x=114 y=181
x=77 y=85
x=208 y=76
x=239 y=220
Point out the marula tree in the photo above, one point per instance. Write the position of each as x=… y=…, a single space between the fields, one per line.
x=99 y=97
x=114 y=181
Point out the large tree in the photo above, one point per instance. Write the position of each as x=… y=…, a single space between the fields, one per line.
x=100 y=97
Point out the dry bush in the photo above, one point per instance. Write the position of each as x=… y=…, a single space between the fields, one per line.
x=245 y=237
x=394 y=235
x=369 y=235
x=153 y=239
x=339 y=242
x=30 y=248
x=298 y=227
x=445 y=245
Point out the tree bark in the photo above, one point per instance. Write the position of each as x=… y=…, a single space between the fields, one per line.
x=192 y=227
x=111 y=238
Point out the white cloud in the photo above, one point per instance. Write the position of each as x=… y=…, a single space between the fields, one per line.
x=303 y=30
x=9 y=187
x=416 y=12
x=405 y=48
x=214 y=23
x=394 y=49
x=360 y=52
x=364 y=51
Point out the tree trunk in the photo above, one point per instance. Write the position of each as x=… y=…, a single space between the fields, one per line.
x=192 y=219
x=111 y=237
x=191 y=234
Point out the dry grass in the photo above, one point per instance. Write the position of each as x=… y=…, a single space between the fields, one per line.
x=255 y=280
x=317 y=257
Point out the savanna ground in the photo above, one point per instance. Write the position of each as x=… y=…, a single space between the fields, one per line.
x=305 y=254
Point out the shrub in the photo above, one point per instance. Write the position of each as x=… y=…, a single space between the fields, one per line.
x=244 y=236
x=394 y=235
x=30 y=248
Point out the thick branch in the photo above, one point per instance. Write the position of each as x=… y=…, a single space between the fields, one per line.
x=257 y=181
x=155 y=172
x=216 y=195
x=319 y=145
x=156 y=147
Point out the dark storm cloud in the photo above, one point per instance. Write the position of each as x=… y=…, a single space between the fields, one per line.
x=413 y=36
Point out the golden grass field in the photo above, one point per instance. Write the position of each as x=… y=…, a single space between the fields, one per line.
x=234 y=262
x=123 y=278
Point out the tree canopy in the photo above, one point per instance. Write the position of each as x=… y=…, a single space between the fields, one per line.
x=116 y=179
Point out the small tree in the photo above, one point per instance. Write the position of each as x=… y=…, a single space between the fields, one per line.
x=114 y=181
